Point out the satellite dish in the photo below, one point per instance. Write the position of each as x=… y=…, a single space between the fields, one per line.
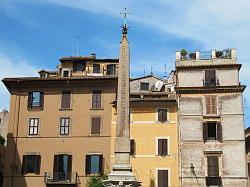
x=158 y=85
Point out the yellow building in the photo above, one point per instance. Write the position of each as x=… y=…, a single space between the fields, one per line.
x=153 y=132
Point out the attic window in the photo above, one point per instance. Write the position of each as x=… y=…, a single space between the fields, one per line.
x=144 y=86
x=79 y=66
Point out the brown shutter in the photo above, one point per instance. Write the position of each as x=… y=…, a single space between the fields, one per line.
x=96 y=126
x=205 y=135
x=24 y=164
x=87 y=164
x=66 y=99
x=208 y=105
x=219 y=132
x=164 y=146
x=213 y=105
x=132 y=147
x=29 y=104
x=96 y=99
x=162 y=178
x=213 y=166
x=160 y=115
x=56 y=159
x=210 y=77
x=101 y=164
x=38 y=164
x=41 y=100
x=160 y=151
x=164 y=115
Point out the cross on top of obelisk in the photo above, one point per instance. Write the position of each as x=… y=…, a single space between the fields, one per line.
x=124 y=26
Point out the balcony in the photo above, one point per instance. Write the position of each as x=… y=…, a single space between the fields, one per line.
x=211 y=83
x=213 y=181
x=61 y=178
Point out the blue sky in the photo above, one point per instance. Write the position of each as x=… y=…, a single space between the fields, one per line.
x=34 y=34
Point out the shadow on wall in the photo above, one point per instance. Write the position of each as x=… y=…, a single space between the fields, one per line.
x=13 y=165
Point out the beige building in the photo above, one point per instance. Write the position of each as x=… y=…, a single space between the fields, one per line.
x=4 y=115
x=60 y=123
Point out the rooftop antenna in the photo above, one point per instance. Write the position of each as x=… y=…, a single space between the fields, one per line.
x=144 y=73
x=151 y=70
x=77 y=44
x=165 y=68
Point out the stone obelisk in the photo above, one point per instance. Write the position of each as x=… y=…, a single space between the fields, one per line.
x=122 y=171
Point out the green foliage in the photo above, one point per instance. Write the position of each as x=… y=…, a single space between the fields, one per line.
x=192 y=55
x=183 y=52
x=96 y=181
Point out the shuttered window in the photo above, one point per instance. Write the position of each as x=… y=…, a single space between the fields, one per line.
x=96 y=68
x=111 y=69
x=162 y=115
x=162 y=147
x=64 y=126
x=212 y=131
x=96 y=99
x=95 y=125
x=213 y=166
x=162 y=178
x=132 y=147
x=144 y=86
x=66 y=100
x=31 y=164
x=35 y=100
x=94 y=164
x=211 y=104
x=33 y=126
x=62 y=167
x=210 y=78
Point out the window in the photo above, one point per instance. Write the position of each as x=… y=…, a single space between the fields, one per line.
x=132 y=147
x=31 y=164
x=79 y=66
x=33 y=126
x=95 y=126
x=213 y=171
x=212 y=131
x=211 y=104
x=62 y=167
x=162 y=147
x=64 y=126
x=0 y=121
x=66 y=99
x=96 y=99
x=210 y=78
x=96 y=68
x=162 y=178
x=66 y=73
x=94 y=164
x=35 y=100
x=162 y=115
x=111 y=69
x=144 y=86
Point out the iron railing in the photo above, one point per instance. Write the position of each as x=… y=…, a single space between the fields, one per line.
x=211 y=82
x=61 y=178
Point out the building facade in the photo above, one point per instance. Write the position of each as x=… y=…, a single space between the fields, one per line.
x=153 y=132
x=4 y=116
x=211 y=119
x=247 y=134
x=60 y=123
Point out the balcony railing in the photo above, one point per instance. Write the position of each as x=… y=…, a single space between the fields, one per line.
x=61 y=178
x=211 y=83
x=216 y=181
x=101 y=72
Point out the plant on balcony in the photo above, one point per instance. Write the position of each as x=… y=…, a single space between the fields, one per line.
x=96 y=181
x=192 y=56
x=183 y=53
x=218 y=54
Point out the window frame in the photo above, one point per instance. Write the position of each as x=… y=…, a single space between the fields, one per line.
x=100 y=163
x=157 y=115
x=70 y=100
x=64 y=126
x=34 y=126
x=144 y=83
x=210 y=112
x=208 y=82
x=36 y=164
x=95 y=104
x=157 y=145
x=91 y=122
x=156 y=176
x=94 y=69
x=68 y=70
x=113 y=70
x=30 y=103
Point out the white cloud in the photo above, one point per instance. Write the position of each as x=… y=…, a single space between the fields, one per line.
x=12 y=67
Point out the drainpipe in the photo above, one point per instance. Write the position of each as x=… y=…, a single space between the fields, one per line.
x=16 y=135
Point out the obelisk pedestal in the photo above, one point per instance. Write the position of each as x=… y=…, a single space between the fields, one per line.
x=122 y=171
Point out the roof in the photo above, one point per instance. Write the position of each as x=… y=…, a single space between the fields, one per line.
x=147 y=76
x=216 y=89
x=185 y=66
x=92 y=57
x=48 y=71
